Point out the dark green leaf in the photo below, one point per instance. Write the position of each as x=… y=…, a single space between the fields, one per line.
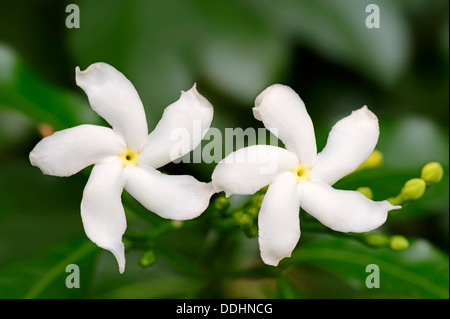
x=421 y=271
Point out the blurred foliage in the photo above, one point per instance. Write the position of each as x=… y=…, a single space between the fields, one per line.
x=233 y=50
x=421 y=271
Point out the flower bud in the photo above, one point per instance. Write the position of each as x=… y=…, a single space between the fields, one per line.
x=257 y=199
x=432 y=173
x=244 y=220
x=398 y=200
x=147 y=259
x=253 y=211
x=413 y=189
x=376 y=240
x=366 y=191
x=399 y=242
x=221 y=204
x=375 y=160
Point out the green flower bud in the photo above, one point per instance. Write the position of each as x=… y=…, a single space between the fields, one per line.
x=376 y=240
x=147 y=259
x=244 y=220
x=399 y=242
x=398 y=200
x=257 y=199
x=413 y=189
x=375 y=160
x=432 y=173
x=253 y=211
x=221 y=204
x=366 y=191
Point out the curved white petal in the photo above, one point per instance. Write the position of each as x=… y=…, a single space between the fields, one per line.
x=102 y=212
x=178 y=197
x=342 y=210
x=66 y=152
x=115 y=99
x=250 y=168
x=180 y=130
x=284 y=114
x=278 y=220
x=349 y=144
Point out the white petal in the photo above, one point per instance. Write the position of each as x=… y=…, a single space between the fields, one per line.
x=284 y=114
x=278 y=220
x=250 y=168
x=115 y=99
x=102 y=211
x=178 y=197
x=342 y=210
x=66 y=152
x=180 y=130
x=349 y=144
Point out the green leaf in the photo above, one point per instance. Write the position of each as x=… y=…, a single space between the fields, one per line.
x=21 y=89
x=421 y=271
x=45 y=275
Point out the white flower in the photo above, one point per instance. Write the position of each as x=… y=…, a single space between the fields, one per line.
x=301 y=176
x=126 y=156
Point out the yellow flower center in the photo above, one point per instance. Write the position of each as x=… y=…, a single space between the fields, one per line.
x=302 y=172
x=129 y=157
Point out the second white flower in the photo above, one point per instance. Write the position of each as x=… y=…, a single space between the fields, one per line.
x=301 y=177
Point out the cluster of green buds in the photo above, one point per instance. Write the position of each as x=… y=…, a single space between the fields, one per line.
x=396 y=242
x=414 y=189
x=245 y=217
x=148 y=258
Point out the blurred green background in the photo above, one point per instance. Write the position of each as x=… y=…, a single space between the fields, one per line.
x=232 y=50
